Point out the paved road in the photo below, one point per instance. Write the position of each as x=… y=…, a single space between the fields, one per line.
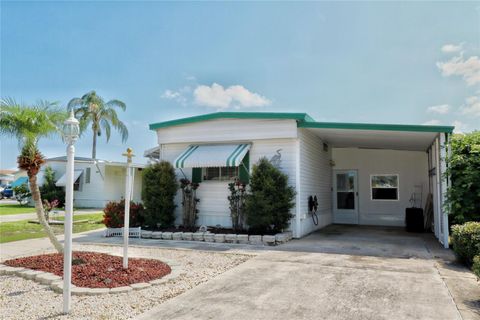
x=25 y=216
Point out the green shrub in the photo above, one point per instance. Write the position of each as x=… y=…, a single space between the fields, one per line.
x=466 y=241
x=267 y=206
x=463 y=195
x=114 y=214
x=476 y=266
x=159 y=189
x=49 y=191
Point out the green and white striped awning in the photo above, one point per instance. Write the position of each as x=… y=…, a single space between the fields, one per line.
x=213 y=155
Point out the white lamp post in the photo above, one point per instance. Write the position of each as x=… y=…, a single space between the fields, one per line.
x=128 y=196
x=71 y=131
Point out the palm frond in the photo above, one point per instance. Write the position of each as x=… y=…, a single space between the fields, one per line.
x=114 y=103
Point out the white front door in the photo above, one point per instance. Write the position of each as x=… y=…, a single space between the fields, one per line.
x=345 y=196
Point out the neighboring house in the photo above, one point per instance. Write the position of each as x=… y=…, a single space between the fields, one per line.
x=361 y=173
x=6 y=177
x=96 y=181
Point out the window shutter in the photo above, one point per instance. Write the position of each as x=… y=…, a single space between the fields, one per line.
x=244 y=168
x=196 y=175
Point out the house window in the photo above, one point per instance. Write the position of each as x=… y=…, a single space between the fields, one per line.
x=384 y=186
x=87 y=175
x=220 y=174
x=76 y=184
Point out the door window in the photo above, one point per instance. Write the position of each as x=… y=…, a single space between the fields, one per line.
x=345 y=190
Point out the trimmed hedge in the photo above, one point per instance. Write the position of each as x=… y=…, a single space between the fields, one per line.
x=159 y=189
x=466 y=241
x=267 y=206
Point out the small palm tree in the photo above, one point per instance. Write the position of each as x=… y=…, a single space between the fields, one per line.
x=91 y=109
x=28 y=124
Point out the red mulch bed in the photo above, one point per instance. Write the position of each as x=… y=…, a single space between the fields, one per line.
x=96 y=270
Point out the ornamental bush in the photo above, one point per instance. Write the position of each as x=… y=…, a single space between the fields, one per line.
x=114 y=214
x=466 y=241
x=476 y=266
x=268 y=204
x=159 y=189
x=463 y=195
x=49 y=190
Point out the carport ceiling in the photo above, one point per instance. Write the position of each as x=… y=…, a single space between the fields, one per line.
x=375 y=139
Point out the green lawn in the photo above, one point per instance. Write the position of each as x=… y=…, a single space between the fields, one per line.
x=21 y=230
x=15 y=209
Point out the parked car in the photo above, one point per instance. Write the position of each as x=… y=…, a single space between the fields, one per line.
x=6 y=193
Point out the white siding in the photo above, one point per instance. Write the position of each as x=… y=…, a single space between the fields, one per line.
x=228 y=129
x=315 y=179
x=411 y=166
x=106 y=184
x=213 y=206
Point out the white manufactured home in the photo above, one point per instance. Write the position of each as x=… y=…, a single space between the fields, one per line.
x=96 y=181
x=366 y=174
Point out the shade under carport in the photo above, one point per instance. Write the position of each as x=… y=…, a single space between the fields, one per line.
x=214 y=155
x=63 y=179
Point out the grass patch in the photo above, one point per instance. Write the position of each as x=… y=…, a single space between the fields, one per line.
x=21 y=230
x=6 y=209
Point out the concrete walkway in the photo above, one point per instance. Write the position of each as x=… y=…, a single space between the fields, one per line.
x=28 y=216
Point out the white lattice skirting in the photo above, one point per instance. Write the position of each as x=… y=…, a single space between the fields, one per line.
x=118 y=232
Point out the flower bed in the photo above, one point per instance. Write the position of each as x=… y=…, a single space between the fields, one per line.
x=96 y=270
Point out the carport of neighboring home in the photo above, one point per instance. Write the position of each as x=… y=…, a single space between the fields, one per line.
x=360 y=173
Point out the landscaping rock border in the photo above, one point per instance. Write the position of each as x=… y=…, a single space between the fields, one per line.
x=268 y=240
x=56 y=282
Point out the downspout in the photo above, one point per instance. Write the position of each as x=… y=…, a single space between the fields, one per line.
x=446 y=153
x=298 y=211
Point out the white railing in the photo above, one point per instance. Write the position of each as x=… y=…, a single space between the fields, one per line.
x=118 y=232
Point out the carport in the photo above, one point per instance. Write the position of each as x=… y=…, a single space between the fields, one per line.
x=379 y=170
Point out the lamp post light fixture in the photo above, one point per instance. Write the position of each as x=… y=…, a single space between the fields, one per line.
x=128 y=196
x=71 y=131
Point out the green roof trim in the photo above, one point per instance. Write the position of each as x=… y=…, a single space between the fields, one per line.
x=232 y=115
x=375 y=126
x=303 y=121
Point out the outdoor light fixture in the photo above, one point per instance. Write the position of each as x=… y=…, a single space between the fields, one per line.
x=71 y=131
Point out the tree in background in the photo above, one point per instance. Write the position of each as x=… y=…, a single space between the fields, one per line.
x=463 y=195
x=158 y=194
x=267 y=206
x=92 y=110
x=28 y=124
x=49 y=190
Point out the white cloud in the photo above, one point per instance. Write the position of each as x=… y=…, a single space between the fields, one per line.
x=460 y=127
x=216 y=96
x=469 y=69
x=451 y=48
x=440 y=109
x=169 y=94
x=471 y=106
x=433 y=122
x=178 y=96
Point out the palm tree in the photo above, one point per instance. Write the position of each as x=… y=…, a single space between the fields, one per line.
x=28 y=124
x=91 y=109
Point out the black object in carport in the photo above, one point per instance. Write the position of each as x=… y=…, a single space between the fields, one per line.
x=414 y=219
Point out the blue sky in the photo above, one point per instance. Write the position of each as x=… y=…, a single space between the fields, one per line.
x=351 y=62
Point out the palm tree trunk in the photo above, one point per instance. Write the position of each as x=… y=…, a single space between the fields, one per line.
x=94 y=147
x=41 y=214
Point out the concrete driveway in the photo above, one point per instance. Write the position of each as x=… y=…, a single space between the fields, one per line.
x=339 y=273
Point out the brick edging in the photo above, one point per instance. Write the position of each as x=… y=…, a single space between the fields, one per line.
x=56 y=282
x=272 y=240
